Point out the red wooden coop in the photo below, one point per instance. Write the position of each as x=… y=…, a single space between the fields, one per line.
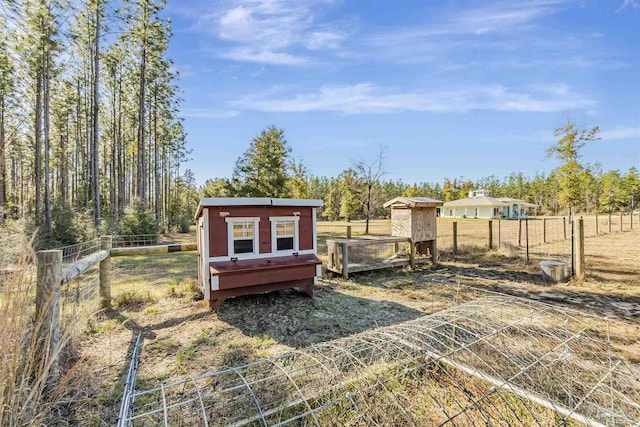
x=254 y=245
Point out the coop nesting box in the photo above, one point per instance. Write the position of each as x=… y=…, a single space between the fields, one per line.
x=255 y=245
x=415 y=218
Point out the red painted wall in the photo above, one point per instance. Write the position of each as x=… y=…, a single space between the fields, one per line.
x=218 y=225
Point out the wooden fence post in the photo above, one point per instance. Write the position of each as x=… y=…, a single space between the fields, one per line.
x=519 y=232
x=345 y=260
x=609 y=222
x=348 y=231
x=49 y=267
x=579 y=247
x=544 y=230
x=596 y=224
x=434 y=252
x=621 y=222
x=490 y=234
x=564 y=226
x=526 y=224
x=105 y=273
x=455 y=237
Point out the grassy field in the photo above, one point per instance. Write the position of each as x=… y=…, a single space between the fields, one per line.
x=182 y=338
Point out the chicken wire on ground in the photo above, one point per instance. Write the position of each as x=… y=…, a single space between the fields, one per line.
x=492 y=360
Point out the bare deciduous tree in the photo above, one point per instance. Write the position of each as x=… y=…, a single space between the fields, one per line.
x=369 y=173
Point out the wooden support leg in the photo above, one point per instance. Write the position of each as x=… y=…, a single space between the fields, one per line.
x=214 y=304
x=434 y=252
x=308 y=289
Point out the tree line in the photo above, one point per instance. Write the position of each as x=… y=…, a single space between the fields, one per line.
x=89 y=124
x=268 y=169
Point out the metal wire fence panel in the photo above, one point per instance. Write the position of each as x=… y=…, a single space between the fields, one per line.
x=121 y=241
x=366 y=253
x=72 y=253
x=79 y=298
x=153 y=270
x=493 y=360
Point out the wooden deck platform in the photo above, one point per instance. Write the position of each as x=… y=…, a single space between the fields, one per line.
x=346 y=255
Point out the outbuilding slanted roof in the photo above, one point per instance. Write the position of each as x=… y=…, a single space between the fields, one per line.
x=413 y=202
x=255 y=201
x=476 y=201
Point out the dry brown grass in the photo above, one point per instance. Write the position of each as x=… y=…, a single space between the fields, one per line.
x=182 y=338
x=35 y=390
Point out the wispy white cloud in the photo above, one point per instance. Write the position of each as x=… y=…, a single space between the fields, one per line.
x=621 y=133
x=262 y=56
x=465 y=30
x=271 y=31
x=207 y=113
x=503 y=16
x=630 y=4
x=369 y=98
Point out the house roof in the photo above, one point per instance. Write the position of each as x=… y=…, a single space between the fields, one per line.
x=413 y=202
x=476 y=201
x=255 y=201
x=521 y=202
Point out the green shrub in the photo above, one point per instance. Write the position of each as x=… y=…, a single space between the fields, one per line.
x=67 y=228
x=185 y=224
x=138 y=222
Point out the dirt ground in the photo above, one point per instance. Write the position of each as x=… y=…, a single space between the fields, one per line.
x=183 y=339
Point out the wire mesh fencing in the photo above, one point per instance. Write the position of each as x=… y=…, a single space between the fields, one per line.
x=490 y=360
x=596 y=225
x=72 y=253
x=79 y=298
x=155 y=270
x=130 y=240
x=531 y=239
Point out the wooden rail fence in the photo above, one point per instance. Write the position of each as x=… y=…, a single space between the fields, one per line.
x=51 y=275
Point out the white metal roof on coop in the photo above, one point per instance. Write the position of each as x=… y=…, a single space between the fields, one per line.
x=255 y=201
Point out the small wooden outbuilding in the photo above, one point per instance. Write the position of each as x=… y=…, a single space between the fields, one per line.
x=415 y=218
x=255 y=245
x=413 y=230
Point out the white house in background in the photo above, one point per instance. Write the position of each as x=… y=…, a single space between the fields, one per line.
x=480 y=204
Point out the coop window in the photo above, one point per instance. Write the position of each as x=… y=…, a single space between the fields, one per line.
x=284 y=234
x=242 y=236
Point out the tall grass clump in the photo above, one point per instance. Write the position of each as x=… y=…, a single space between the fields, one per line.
x=33 y=391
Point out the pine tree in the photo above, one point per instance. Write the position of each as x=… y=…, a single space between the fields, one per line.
x=567 y=150
x=262 y=170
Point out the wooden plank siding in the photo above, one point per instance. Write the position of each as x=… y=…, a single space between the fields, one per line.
x=218 y=225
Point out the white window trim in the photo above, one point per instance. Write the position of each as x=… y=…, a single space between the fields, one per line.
x=256 y=236
x=296 y=234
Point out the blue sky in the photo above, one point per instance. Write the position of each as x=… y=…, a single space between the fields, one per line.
x=449 y=88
